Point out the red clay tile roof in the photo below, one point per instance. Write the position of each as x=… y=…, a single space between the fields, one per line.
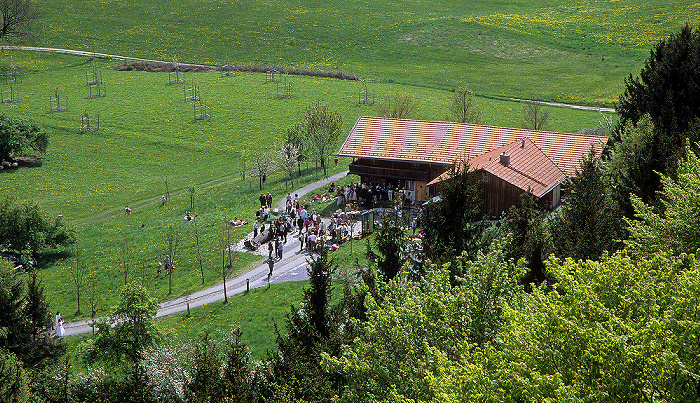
x=528 y=167
x=446 y=142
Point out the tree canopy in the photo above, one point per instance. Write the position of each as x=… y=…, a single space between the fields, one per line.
x=588 y=222
x=129 y=329
x=21 y=136
x=667 y=88
x=677 y=228
x=448 y=224
x=24 y=225
x=18 y=18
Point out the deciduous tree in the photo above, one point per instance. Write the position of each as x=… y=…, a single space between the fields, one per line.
x=261 y=167
x=676 y=229
x=20 y=136
x=398 y=105
x=19 y=19
x=463 y=108
x=287 y=158
x=23 y=224
x=534 y=117
x=322 y=128
x=128 y=330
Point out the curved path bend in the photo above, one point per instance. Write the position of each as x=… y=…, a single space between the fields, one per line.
x=291 y=268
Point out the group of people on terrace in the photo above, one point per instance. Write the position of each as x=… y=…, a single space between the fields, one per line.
x=367 y=194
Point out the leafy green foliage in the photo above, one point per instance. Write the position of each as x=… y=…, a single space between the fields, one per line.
x=414 y=329
x=24 y=318
x=14 y=383
x=676 y=229
x=21 y=136
x=667 y=89
x=448 y=224
x=614 y=330
x=390 y=243
x=589 y=221
x=315 y=328
x=527 y=237
x=634 y=164
x=128 y=330
x=24 y=225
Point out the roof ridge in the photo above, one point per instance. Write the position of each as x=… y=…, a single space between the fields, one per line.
x=546 y=156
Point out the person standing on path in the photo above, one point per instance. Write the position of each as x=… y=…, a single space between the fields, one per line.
x=277 y=246
x=281 y=249
x=303 y=214
x=268 y=200
x=270 y=248
x=301 y=241
x=255 y=229
x=271 y=265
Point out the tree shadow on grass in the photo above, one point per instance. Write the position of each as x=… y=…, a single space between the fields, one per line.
x=48 y=257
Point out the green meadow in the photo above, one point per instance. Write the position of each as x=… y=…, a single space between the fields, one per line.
x=566 y=50
x=148 y=141
x=148 y=136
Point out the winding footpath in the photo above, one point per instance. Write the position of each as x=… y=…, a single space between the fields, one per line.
x=291 y=268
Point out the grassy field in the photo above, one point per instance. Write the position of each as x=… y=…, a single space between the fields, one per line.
x=567 y=50
x=147 y=137
x=564 y=51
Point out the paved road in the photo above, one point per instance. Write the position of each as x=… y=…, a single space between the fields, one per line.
x=291 y=268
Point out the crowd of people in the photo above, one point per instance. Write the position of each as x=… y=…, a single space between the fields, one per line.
x=298 y=221
x=368 y=194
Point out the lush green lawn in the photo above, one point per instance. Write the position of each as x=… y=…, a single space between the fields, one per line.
x=565 y=50
x=148 y=136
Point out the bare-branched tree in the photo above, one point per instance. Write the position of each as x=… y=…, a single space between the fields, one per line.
x=172 y=240
x=399 y=105
x=77 y=275
x=534 y=117
x=287 y=157
x=262 y=166
x=19 y=18
x=463 y=108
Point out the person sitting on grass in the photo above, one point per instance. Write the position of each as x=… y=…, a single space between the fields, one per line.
x=236 y=222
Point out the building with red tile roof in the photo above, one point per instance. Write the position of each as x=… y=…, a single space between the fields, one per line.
x=415 y=155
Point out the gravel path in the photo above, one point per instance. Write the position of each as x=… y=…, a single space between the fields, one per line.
x=108 y=56
x=291 y=268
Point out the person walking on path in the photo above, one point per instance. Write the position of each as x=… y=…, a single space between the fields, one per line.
x=277 y=246
x=270 y=248
x=301 y=242
x=255 y=229
x=271 y=265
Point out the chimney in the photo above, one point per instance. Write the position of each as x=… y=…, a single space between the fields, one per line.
x=522 y=145
x=505 y=159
